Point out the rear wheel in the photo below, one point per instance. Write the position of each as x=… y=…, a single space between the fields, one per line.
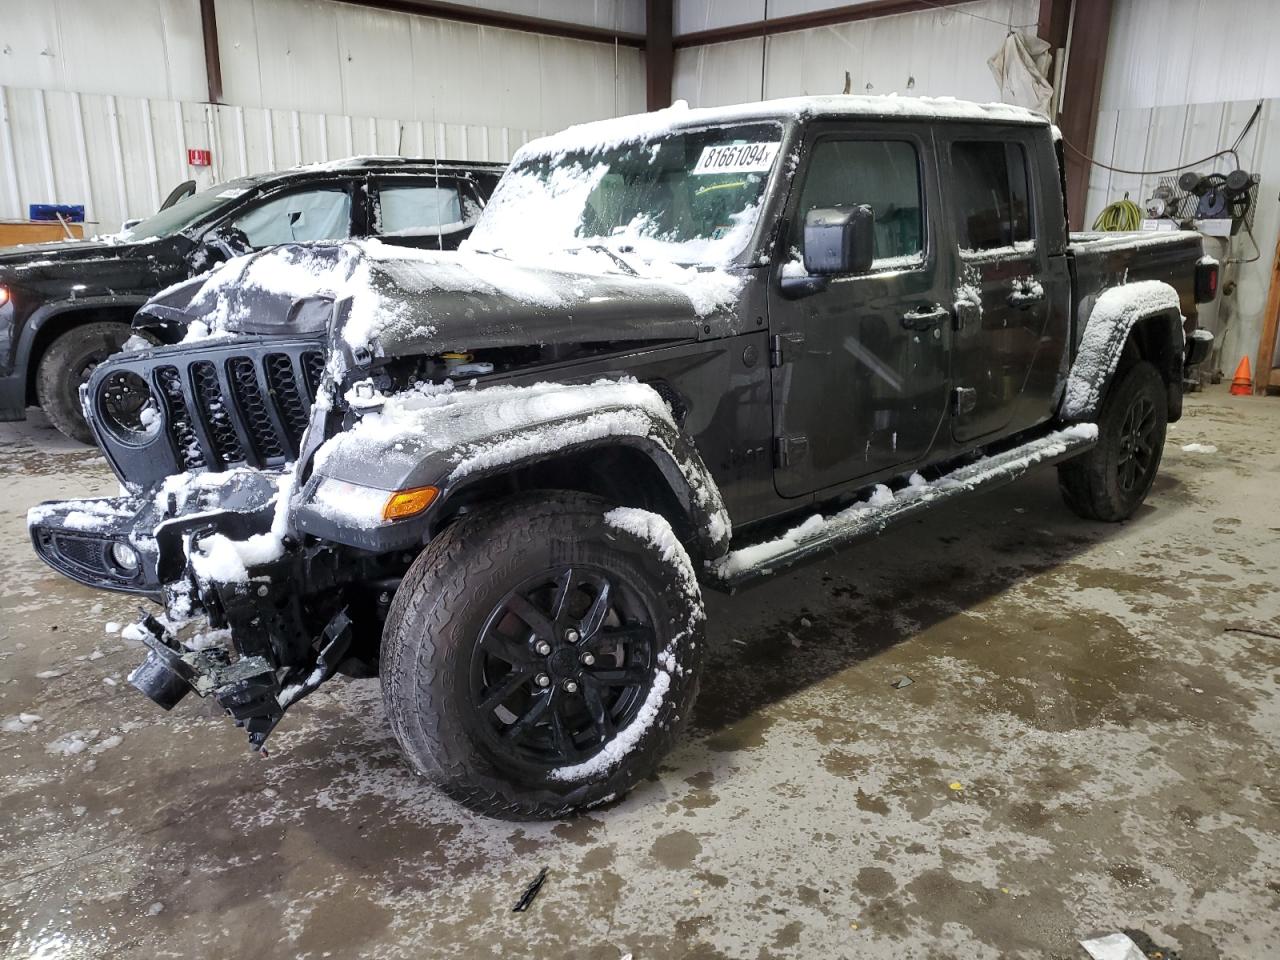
x=541 y=655
x=68 y=363
x=1110 y=481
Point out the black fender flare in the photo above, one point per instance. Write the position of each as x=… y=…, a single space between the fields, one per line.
x=51 y=311
x=498 y=432
x=1113 y=317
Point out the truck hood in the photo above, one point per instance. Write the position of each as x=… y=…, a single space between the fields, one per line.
x=100 y=265
x=386 y=301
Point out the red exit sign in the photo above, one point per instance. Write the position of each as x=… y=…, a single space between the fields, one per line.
x=199 y=158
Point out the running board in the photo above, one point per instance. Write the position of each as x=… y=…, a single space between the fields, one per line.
x=820 y=535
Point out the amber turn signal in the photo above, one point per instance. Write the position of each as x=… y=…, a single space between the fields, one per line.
x=408 y=503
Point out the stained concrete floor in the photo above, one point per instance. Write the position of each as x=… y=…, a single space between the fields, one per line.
x=1091 y=742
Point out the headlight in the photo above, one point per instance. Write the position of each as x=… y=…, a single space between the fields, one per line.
x=4 y=294
x=128 y=407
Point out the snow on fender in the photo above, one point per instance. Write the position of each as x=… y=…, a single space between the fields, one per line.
x=1113 y=316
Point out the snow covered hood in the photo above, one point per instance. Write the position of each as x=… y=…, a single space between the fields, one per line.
x=400 y=301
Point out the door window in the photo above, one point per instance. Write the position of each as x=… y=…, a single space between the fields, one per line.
x=884 y=175
x=424 y=209
x=323 y=214
x=992 y=199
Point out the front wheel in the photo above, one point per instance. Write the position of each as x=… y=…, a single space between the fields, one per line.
x=542 y=654
x=1110 y=481
x=68 y=362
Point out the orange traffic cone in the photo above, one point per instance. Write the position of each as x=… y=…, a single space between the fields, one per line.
x=1242 y=382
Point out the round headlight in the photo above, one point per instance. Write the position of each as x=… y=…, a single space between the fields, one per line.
x=125 y=558
x=128 y=407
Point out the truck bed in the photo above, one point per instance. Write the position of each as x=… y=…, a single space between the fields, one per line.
x=1102 y=260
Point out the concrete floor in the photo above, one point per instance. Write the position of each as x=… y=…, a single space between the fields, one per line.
x=1091 y=743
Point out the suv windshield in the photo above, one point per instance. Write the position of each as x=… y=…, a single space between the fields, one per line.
x=186 y=211
x=689 y=197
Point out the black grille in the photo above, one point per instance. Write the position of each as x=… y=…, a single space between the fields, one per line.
x=231 y=407
x=217 y=415
x=257 y=418
x=178 y=418
x=87 y=553
x=313 y=369
x=289 y=400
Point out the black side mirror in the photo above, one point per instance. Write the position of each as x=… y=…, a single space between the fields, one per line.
x=226 y=242
x=839 y=240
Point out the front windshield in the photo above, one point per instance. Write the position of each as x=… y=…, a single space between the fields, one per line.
x=688 y=197
x=186 y=211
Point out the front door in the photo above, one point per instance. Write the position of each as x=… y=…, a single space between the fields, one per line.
x=860 y=378
x=1003 y=311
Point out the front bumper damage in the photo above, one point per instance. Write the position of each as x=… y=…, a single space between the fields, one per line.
x=151 y=546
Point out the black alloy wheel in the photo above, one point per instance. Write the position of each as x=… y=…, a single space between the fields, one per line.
x=563 y=662
x=541 y=656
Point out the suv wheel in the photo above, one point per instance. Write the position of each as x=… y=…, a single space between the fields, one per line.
x=1111 y=480
x=542 y=654
x=68 y=362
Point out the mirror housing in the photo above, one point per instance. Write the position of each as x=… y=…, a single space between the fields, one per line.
x=839 y=240
x=226 y=242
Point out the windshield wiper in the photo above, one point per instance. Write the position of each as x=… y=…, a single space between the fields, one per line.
x=601 y=248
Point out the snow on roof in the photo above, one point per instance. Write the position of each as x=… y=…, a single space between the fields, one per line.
x=642 y=126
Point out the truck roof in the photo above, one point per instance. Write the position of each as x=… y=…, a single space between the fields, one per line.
x=644 y=126
x=365 y=164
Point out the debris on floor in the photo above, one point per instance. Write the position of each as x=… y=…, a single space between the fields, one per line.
x=526 y=898
x=1114 y=946
x=901 y=681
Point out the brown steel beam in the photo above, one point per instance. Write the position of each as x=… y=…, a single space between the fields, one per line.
x=212 y=60
x=505 y=21
x=659 y=55
x=805 y=21
x=1054 y=23
x=1082 y=90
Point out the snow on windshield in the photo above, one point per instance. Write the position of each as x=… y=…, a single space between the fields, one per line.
x=682 y=196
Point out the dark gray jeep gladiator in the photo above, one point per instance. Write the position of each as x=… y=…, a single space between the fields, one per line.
x=67 y=306
x=683 y=349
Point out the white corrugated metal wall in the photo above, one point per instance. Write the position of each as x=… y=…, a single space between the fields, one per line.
x=100 y=99
x=936 y=53
x=1181 y=80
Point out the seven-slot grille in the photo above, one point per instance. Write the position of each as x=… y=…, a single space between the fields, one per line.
x=243 y=409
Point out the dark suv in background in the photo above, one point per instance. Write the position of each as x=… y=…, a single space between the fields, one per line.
x=66 y=306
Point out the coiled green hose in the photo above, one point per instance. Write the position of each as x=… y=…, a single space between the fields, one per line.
x=1120 y=215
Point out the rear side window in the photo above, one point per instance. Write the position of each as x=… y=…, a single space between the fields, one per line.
x=884 y=175
x=424 y=209
x=993 y=206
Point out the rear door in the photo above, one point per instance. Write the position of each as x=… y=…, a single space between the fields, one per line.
x=860 y=375
x=428 y=212
x=1000 y=262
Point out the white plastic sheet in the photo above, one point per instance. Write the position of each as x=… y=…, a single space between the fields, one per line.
x=1021 y=68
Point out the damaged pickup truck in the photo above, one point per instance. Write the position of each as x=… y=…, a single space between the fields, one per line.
x=688 y=348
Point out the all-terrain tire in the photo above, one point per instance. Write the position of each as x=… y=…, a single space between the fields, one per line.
x=66 y=364
x=1110 y=482
x=460 y=587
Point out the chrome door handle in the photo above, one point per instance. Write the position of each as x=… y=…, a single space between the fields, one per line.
x=924 y=319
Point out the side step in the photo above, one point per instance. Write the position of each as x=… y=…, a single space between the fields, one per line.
x=819 y=535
